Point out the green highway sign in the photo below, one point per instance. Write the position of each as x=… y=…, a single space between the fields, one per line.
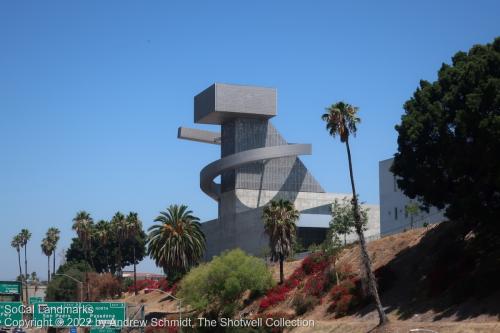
x=35 y=299
x=88 y=314
x=10 y=287
x=11 y=313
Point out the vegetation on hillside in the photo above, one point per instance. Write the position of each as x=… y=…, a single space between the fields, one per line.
x=449 y=140
x=215 y=288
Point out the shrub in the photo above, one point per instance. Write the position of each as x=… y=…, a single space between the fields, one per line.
x=314 y=263
x=316 y=285
x=275 y=295
x=345 y=297
x=303 y=303
x=145 y=284
x=218 y=285
x=103 y=286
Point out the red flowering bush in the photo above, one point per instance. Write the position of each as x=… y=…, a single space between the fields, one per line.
x=162 y=284
x=345 y=296
x=298 y=274
x=275 y=295
x=315 y=263
x=316 y=285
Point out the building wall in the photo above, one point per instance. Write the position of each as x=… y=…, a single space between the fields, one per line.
x=393 y=217
x=240 y=225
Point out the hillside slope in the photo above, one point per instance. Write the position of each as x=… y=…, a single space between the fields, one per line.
x=425 y=275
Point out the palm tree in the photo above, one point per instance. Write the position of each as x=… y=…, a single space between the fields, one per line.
x=83 y=225
x=134 y=225
x=176 y=243
x=102 y=234
x=119 y=226
x=16 y=243
x=25 y=237
x=280 y=219
x=47 y=249
x=53 y=236
x=342 y=120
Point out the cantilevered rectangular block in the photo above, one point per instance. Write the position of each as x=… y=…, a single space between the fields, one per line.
x=221 y=102
x=194 y=134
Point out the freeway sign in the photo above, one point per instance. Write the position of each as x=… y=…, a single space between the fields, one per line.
x=11 y=313
x=105 y=330
x=35 y=299
x=10 y=287
x=64 y=314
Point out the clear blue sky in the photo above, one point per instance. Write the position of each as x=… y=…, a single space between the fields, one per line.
x=92 y=93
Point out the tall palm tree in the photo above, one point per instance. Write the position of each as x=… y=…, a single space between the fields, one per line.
x=103 y=234
x=16 y=243
x=134 y=225
x=25 y=237
x=119 y=226
x=176 y=242
x=342 y=120
x=47 y=249
x=53 y=236
x=83 y=225
x=280 y=218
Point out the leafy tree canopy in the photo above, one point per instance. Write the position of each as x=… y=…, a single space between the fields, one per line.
x=217 y=286
x=62 y=288
x=104 y=253
x=343 y=222
x=449 y=138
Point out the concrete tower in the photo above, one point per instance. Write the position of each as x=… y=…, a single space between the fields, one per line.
x=256 y=166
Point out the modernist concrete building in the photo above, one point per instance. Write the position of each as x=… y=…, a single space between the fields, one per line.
x=393 y=215
x=256 y=166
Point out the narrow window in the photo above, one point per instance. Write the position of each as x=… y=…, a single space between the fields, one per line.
x=395 y=213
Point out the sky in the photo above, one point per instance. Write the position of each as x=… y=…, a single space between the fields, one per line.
x=92 y=94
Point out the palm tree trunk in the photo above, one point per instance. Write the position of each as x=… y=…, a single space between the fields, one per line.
x=135 y=276
x=48 y=268
x=282 y=277
x=26 y=271
x=365 y=258
x=20 y=270
x=54 y=262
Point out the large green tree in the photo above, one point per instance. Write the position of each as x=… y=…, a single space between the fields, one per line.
x=342 y=120
x=176 y=242
x=449 y=139
x=280 y=218
x=104 y=249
